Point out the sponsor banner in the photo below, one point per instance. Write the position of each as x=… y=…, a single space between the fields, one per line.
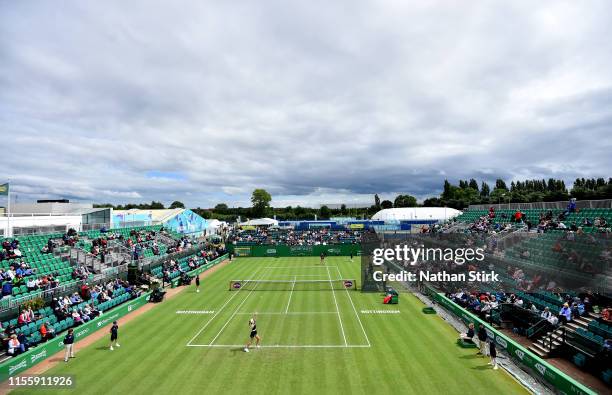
x=287 y=251
x=26 y=360
x=563 y=383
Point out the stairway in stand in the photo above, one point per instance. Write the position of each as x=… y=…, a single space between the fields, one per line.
x=545 y=345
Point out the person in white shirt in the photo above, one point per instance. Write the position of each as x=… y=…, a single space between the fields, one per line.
x=31 y=284
x=13 y=345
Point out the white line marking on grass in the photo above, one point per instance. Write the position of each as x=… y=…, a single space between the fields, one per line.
x=337 y=308
x=285 y=345
x=195 y=312
x=355 y=310
x=217 y=313
x=289 y=313
x=290 y=294
x=298 y=267
x=284 y=276
x=235 y=312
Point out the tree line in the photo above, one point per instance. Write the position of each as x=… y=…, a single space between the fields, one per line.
x=457 y=196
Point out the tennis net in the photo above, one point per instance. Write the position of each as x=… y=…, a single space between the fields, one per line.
x=292 y=285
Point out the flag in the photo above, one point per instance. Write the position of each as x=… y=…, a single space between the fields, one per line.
x=4 y=189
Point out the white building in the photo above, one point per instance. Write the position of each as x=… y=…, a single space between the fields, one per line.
x=38 y=218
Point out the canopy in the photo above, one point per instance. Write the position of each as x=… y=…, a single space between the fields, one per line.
x=260 y=222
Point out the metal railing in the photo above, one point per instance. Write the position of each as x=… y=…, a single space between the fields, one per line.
x=538 y=328
x=548 y=340
x=604 y=203
x=147 y=266
x=12 y=302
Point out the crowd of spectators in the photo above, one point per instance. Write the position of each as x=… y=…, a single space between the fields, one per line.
x=484 y=303
x=173 y=266
x=79 y=306
x=10 y=250
x=322 y=236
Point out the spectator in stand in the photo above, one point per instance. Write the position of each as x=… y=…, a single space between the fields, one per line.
x=607 y=348
x=565 y=315
x=518 y=216
x=75 y=299
x=76 y=317
x=7 y=289
x=24 y=344
x=571 y=207
x=85 y=292
x=23 y=317
x=14 y=347
x=546 y=313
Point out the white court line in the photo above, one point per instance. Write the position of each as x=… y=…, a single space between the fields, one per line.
x=337 y=308
x=233 y=315
x=295 y=275
x=289 y=313
x=297 y=267
x=290 y=294
x=354 y=309
x=217 y=313
x=284 y=345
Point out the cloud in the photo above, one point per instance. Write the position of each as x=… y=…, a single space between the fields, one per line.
x=316 y=102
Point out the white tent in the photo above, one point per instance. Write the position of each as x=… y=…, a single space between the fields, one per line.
x=260 y=222
x=214 y=224
x=416 y=213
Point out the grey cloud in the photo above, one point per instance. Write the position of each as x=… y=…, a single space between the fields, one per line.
x=346 y=98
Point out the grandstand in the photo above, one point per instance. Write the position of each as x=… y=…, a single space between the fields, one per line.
x=554 y=254
x=51 y=266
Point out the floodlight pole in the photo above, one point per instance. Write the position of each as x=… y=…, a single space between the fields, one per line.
x=8 y=210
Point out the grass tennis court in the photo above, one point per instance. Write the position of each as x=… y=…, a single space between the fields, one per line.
x=315 y=338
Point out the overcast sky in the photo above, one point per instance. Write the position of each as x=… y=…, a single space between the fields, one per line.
x=315 y=101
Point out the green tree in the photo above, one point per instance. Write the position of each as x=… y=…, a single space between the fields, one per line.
x=405 y=201
x=447 y=192
x=343 y=209
x=324 y=212
x=473 y=184
x=386 y=204
x=500 y=184
x=261 y=202
x=485 y=190
x=432 y=202
x=177 y=204
x=377 y=201
x=221 y=208
x=154 y=206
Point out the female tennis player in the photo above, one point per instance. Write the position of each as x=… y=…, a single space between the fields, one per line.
x=253 y=335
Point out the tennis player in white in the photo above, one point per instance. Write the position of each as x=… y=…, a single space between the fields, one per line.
x=253 y=335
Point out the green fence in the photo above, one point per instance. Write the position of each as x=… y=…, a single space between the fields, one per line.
x=32 y=357
x=562 y=383
x=287 y=251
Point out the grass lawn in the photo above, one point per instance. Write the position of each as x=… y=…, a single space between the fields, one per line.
x=314 y=341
